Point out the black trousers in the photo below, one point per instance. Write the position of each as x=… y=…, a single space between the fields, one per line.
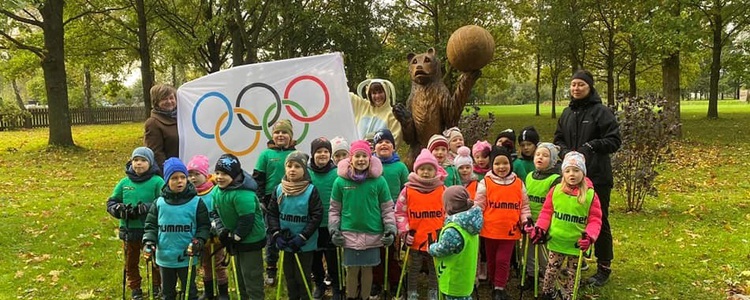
x=332 y=262
x=169 y=277
x=603 y=249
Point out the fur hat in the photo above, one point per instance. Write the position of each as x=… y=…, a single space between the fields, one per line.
x=144 y=152
x=456 y=200
x=320 y=142
x=284 y=125
x=508 y=133
x=199 y=163
x=529 y=134
x=452 y=133
x=437 y=140
x=426 y=157
x=463 y=158
x=339 y=143
x=360 y=145
x=483 y=147
x=574 y=159
x=383 y=134
x=173 y=165
x=500 y=151
x=554 y=153
x=230 y=164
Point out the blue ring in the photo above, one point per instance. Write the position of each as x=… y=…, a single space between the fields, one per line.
x=229 y=109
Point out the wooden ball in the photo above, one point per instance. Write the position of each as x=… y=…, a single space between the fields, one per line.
x=470 y=48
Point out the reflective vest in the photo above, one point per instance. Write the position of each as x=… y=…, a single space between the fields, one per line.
x=569 y=219
x=502 y=210
x=294 y=215
x=455 y=271
x=426 y=215
x=537 y=190
x=472 y=189
x=176 y=231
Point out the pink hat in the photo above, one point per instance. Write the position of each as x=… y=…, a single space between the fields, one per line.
x=437 y=140
x=483 y=147
x=463 y=157
x=199 y=163
x=426 y=157
x=360 y=145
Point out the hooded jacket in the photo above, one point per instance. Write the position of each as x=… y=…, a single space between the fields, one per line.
x=236 y=208
x=369 y=118
x=450 y=241
x=133 y=190
x=589 y=127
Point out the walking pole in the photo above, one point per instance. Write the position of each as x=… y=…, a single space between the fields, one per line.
x=536 y=270
x=125 y=254
x=403 y=272
x=280 y=274
x=385 y=280
x=149 y=281
x=340 y=267
x=525 y=243
x=236 y=279
x=302 y=273
x=190 y=273
x=578 y=269
x=214 y=281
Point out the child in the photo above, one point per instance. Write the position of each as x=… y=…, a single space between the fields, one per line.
x=538 y=184
x=420 y=210
x=502 y=197
x=238 y=220
x=130 y=202
x=456 y=250
x=269 y=168
x=455 y=140
x=465 y=174
x=361 y=217
x=340 y=149
x=294 y=216
x=177 y=226
x=322 y=174
x=481 y=153
x=200 y=178
x=438 y=146
x=572 y=217
x=527 y=140
x=396 y=175
x=507 y=139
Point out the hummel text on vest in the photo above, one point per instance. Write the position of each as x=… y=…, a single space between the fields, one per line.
x=570 y=218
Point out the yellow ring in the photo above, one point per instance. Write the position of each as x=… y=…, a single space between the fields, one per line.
x=217 y=132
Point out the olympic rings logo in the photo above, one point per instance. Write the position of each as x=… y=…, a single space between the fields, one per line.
x=265 y=123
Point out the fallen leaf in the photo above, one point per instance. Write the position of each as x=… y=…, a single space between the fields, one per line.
x=19 y=274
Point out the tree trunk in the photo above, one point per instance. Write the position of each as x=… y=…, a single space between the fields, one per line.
x=737 y=90
x=670 y=78
x=55 y=79
x=19 y=102
x=713 y=85
x=538 y=75
x=554 y=94
x=144 y=51
x=87 y=95
x=610 y=68
x=632 y=70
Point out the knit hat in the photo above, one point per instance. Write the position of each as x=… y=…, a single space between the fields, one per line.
x=426 y=157
x=360 y=145
x=284 y=125
x=585 y=76
x=301 y=158
x=383 y=134
x=452 y=133
x=144 y=152
x=173 y=165
x=456 y=200
x=463 y=158
x=529 y=134
x=508 y=133
x=339 y=143
x=483 y=147
x=500 y=151
x=554 y=153
x=199 y=163
x=320 y=142
x=437 y=140
x=230 y=164
x=574 y=159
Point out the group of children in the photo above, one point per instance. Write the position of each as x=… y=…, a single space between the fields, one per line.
x=460 y=211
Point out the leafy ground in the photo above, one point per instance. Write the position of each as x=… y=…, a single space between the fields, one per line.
x=59 y=243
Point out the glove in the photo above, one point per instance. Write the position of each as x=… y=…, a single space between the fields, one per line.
x=528 y=227
x=279 y=241
x=142 y=209
x=389 y=235
x=148 y=249
x=120 y=211
x=296 y=243
x=586 y=150
x=195 y=247
x=408 y=238
x=337 y=238
x=132 y=212
x=584 y=243
x=224 y=237
x=538 y=236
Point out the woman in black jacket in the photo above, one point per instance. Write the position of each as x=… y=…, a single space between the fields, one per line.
x=589 y=127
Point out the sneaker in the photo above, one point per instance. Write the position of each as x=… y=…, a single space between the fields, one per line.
x=482 y=274
x=156 y=291
x=500 y=295
x=270 y=277
x=319 y=292
x=413 y=296
x=137 y=294
x=584 y=266
x=376 y=291
x=548 y=296
x=432 y=295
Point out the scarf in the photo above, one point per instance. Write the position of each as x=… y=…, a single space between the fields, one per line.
x=169 y=113
x=293 y=188
x=480 y=170
x=423 y=185
x=394 y=158
x=152 y=170
x=324 y=169
x=466 y=181
x=204 y=188
x=357 y=176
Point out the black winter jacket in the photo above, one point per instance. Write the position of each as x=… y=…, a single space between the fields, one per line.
x=589 y=121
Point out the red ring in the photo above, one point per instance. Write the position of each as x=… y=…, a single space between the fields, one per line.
x=325 y=104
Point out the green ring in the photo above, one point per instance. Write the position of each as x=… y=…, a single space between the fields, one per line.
x=286 y=102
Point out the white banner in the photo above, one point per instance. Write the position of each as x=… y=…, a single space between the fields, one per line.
x=233 y=111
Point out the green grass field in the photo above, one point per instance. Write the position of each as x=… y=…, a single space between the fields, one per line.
x=690 y=242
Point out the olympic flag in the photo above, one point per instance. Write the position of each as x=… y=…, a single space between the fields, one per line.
x=233 y=111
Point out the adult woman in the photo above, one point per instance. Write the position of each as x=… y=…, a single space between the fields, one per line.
x=161 y=127
x=373 y=111
x=591 y=128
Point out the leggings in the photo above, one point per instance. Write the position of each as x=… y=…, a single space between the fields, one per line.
x=554 y=266
x=353 y=281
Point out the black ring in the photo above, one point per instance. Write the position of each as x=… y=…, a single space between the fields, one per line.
x=278 y=105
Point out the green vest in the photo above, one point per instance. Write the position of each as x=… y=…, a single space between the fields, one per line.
x=293 y=215
x=537 y=190
x=324 y=183
x=453 y=178
x=455 y=272
x=569 y=219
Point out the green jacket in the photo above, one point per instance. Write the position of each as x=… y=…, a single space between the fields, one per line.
x=237 y=209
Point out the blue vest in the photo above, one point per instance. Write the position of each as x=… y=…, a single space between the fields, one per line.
x=176 y=231
x=293 y=215
x=208 y=200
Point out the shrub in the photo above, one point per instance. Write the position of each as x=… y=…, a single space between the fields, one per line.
x=12 y=116
x=647 y=127
x=473 y=126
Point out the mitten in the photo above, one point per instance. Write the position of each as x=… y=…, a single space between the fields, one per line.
x=337 y=238
x=389 y=234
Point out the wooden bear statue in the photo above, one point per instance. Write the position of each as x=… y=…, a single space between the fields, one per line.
x=431 y=107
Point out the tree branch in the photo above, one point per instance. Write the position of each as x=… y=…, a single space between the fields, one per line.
x=20 y=19
x=36 y=50
x=91 y=12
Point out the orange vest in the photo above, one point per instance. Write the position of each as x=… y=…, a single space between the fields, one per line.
x=502 y=210
x=472 y=189
x=426 y=215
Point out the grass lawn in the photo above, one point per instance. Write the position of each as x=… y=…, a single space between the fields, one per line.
x=690 y=242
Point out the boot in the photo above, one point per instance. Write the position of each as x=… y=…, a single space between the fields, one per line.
x=603 y=270
x=137 y=294
x=208 y=291
x=482 y=271
x=548 y=296
x=319 y=292
x=432 y=295
x=500 y=295
x=223 y=292
x=270 y=276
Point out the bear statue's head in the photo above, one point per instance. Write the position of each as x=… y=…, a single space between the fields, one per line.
x=424 y=68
